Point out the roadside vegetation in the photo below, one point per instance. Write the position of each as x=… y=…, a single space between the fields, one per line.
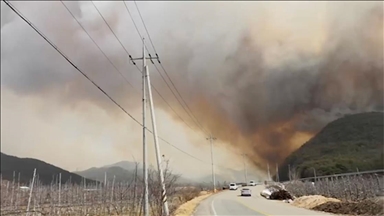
x=109 y=198
x=351 y=195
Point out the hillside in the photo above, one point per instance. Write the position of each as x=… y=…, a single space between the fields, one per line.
x=127 y=165
x=121 y=175
x=25 y=167
x=344 y=145
x=123 y=171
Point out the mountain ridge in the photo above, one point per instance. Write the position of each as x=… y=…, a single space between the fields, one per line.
x=352 y=142
x=46 y=172
x=122 y=171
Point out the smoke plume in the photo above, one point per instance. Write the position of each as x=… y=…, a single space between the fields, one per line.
x=261 y=77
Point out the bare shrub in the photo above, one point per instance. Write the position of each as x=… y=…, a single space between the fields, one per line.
x=346 y=188
x=108 y=198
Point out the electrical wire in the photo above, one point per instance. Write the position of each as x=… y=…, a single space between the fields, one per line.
x=150 y=39
x=149 y=36
x=86 y=76
x=174 y=86
x=106 y=22
x=110 y=61
x=134 y=23
x=166 y=73
x=138 y=32
x=65 y=57
x=158 y=71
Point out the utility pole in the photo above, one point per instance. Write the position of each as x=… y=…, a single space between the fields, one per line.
x=269 y=174
x=145 y=152
x=146 y=83
x=245 y=168
x=30 y=191
x=211 y=138
x=59 y=193
x=157 y=148
x=163 y=160
x=289 y=172
x=105 y=179
x=277 y=173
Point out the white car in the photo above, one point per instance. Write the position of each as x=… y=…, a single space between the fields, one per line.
x=246 y=192
x=233 y=186
x=252 y=183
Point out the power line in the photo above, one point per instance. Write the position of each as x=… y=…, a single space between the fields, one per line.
x=158 y=71
x=89 y=79
x=175 y=95
x=138 y=68
x=172 y=109
x=194 y=117
x=134 y=23
x=174 y=86
x=166 y=73
x=185 y=109
x=105 y=21
x=64 y=56
x=145 y=28
x=110 y=61
x=182 y=150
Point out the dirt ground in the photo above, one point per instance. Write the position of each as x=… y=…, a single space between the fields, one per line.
x=335 y=206
x=310 y=202
x=367 y=207
x=187 y=208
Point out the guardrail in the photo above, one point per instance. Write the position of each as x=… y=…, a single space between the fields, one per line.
x=380 y=171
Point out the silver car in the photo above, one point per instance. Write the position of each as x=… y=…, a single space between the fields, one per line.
x=246 y=192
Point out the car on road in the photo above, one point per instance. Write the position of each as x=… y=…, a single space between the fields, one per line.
x=242 y=184
x=246 y=192
x=252 y=183
x=233 y=186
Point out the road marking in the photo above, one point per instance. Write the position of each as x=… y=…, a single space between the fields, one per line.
x=212 y=207
x=251 y=207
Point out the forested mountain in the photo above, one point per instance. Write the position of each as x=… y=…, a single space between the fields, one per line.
x=353 y=142
x=25 y=166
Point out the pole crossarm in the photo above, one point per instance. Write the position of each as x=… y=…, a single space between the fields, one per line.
x=141 y=58
x=151 y=58
x=245 y=168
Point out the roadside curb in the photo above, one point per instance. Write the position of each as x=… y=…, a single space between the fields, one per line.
x=197 y=199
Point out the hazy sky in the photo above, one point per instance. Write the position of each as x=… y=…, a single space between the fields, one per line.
x=263 y=77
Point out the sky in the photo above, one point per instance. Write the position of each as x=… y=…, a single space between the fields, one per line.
x=262 y=77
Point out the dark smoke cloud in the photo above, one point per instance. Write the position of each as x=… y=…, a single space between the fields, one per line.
x=32 y=67
x=261 y=78
x=270 y=105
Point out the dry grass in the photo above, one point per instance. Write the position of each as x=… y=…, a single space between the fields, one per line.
x=310 y=202
x=187 y=208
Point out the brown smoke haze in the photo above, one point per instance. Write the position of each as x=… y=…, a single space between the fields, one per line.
x=261 y=77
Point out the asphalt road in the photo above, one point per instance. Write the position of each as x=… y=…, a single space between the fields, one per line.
x=231 y=203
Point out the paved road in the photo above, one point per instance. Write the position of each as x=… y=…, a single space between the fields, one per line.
x=231 y=203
